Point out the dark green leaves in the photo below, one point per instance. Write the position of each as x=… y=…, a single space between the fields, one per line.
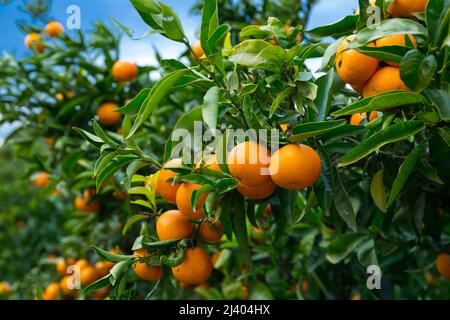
x=417 y=70
x=386 y=53
x=404 y=172
x=342 y=27
x=313 y=129
x=342 y=246
x=383 y=101
x=394 y=133
x=388 y=28
x=436 y=13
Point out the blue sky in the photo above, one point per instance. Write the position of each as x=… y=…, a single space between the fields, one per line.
x=140 y=51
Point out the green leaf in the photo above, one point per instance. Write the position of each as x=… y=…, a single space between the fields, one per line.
x=92 y=139
x=394 y=133
x=441 y=100
x=436 y=12
x=388 y=28
x=165 y=244
x=129 y=32
x=100 y=283
x=210 y=108
x=240 y=228
x=343 y=204
x=158 y=92
x=342 y=27
x=171 y=24
x=279 y=99
x=380 y=102
x=260 y=291
x=313 y=129
x=132 y=108
x=377 y=191
x=102 y=135
x=150 y=12
x=118 y=270
x=109 y=256
x=386 y=53
x=367 y=255
x=324 y=96
x=210 y=21
x=135 y=218
x=417 y=70
x=113 y=167
x=342 y=246
x=247 y=53
x=404 y=172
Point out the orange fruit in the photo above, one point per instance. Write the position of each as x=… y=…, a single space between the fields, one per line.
x=82 y=263
x=164 y=188
x=373 y=115
x=124 y=71
x=61 y=266
x=183 y=200
x=210 y=162
x=443 y=264
x=33 y=40
x=49 y=141
x=257 y=193
x=144 y=271
x=86 y=204
x=288 y=29
x=54 y=29
x=52 y=291
x=305 y=286
x=107 y=115
x=384 y=80
x=295 y=167
x=88 y=275
x=284 y=127
x=71 y=261
x=101 y=294
x=211 y=232
x=5 y=288
x=120 y=195
x=352 y=66
x=198 y=50
x=355 y=296
x=357 y=118
x=395 y=40
x=248 y=163
x=64 y=285
x=103 y=267
x=42 y=179
x=187 y=286
x=195 y=268
x=406 y=8
x=173 y=225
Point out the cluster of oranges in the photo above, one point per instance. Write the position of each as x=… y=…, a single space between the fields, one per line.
x=88 y=274
x=368 y=75
x=53 y=29
x=293 y=167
